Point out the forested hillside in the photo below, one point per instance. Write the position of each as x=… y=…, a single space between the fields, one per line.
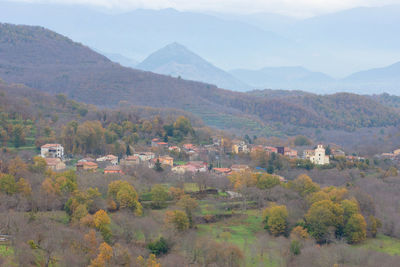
x=52 y=63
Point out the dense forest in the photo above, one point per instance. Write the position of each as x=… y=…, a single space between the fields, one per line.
x=53 y=63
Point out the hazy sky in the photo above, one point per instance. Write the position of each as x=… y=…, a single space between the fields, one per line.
x=299 y=8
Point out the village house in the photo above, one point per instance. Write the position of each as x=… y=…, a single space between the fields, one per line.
x=86 y=166
x=191 y=166
x=240 y=168
x=189 y=147
x=180 y=169
x=319 y=157
x=196 y=166
x=338 y=153
x=55 y=164
x=145 y=156
x=270 y=149
x=308 y=153
x=113 y=160
x=115 y=169
x=222 y=171
x=130 y=160
x=52 y=151
x=164 y=160
x=174 y=148
x=239 y=146
x=289 y=152
x=87 y=159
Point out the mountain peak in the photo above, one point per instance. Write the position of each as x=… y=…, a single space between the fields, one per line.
x=177 y=60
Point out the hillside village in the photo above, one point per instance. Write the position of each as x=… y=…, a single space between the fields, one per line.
x=200 y=158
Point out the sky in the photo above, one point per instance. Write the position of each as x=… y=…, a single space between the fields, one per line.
x=295 y=8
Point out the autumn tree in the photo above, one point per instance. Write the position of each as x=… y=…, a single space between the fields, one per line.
x=323 y=218
x=188 y=204
x=104 y=256
x=356 y=229
x=275 y=219
x=102 y=222
x=125 y=196
x=304 y=185
x=178 y=219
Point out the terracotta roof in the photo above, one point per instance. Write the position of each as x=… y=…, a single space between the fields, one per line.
x=222 y=170
x=162 y=143
x=132 y=158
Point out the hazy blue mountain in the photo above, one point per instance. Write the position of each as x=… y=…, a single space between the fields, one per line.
x=122 y=60
x=265 y=21
x=379 y=80
x=138 y=33
x=350 y=40
x=293 y=78
x=177 y=61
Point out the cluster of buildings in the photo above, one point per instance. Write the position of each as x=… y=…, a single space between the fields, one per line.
x=53 y=154
x=197 y=157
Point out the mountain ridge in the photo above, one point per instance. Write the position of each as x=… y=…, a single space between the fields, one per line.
x=178 y=61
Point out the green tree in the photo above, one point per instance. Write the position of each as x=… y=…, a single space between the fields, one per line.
x=178 y=219
x=304 y=185
x=159 y=196
x=356 y=229
x=267 y=181
x=323 y=218
x=275 y=219
x=8 y=184
x=125 y=195
x=18 y=135
x=157 y=166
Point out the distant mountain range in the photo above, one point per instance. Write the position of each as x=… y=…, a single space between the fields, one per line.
x=177 y=61
x=373 y=81
x=337 y=44
x=297 y=78
x=52 y=63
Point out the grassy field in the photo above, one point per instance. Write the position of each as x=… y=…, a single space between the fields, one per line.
x=382 y=243
x=241 y=230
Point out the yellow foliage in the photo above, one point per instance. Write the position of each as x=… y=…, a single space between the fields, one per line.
x=243 y=179
x=101 y=219
x=299 y=233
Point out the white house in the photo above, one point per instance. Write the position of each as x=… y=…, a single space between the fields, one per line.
x=319 y=157
x=52 y=151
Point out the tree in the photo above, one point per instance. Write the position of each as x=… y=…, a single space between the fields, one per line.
x=128 y=150
x=158 y=247
x=159 y=196
x=157 y=166
x=356 y=229
x=102 y=222
x=373 y=225
x=24 y=187
x=8 y=184
x=322 y=217
x=275 y=219
x=304 y=185
x=18 y=135
x=178 y=219
x=189 y=205
x=301 y=141
x=125 y=195
x=267 y=181
x=39 y=165
x=104 y=256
